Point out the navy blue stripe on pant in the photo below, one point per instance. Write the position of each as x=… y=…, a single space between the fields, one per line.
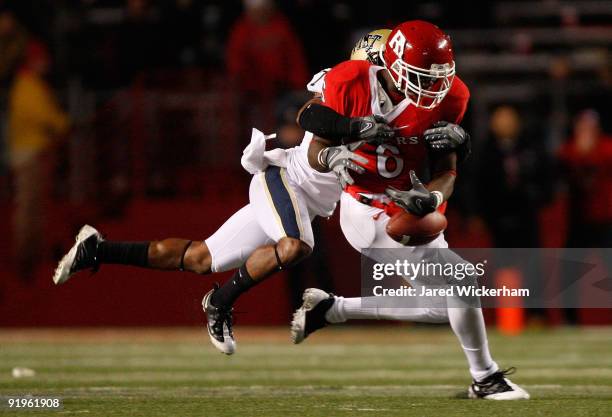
x=282 y=202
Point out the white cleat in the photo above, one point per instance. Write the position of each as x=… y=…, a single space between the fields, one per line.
x=310 y=317
x=497 y=387
x=219 y=324
x=82 y=255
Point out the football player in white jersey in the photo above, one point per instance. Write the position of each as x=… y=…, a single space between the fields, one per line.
x=270 y=233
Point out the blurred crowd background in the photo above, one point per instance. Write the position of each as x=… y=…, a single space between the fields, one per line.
x=132 y=115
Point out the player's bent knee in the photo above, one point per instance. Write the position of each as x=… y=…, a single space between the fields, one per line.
x=291 y=250
x=198 y=258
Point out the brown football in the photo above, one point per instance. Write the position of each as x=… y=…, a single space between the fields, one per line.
x=411 y=230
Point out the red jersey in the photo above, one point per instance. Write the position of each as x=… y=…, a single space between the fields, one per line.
x=352 y=89
x=590 y=178
x=275 y=48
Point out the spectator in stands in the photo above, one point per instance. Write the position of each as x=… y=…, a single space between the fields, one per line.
x=13 y=38
x=587 y=162
x=265 y=59
x=586 y=159
x=513 y=180
x=35 y=121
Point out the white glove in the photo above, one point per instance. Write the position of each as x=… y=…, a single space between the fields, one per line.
x=341 y=159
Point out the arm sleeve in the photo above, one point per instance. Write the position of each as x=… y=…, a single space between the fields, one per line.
x=325 y=122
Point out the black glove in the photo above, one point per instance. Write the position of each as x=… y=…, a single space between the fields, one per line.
x=446 y=137
x=370 y=128
x=329 y=124
x=419 y=200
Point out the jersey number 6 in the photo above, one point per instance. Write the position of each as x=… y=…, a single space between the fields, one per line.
x=388 y=163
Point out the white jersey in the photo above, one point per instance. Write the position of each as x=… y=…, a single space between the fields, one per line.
x=321 y=189
x=285 y=194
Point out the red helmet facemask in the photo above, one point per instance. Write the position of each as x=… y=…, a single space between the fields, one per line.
x=420 y=60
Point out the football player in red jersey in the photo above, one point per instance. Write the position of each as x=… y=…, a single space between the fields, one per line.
x=417 y=93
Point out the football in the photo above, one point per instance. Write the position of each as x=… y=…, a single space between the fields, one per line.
x=411 y=230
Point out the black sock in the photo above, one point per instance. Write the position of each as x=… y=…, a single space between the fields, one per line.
x=231 y=290
x=125 y=253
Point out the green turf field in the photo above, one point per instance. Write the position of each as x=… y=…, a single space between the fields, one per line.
x=372 y=371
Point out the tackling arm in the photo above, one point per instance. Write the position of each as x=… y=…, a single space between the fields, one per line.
x=325 y=122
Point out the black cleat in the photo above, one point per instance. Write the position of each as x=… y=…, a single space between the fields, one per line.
x=82 y=255
x=310 y=317
x=219 y=324
x=497 y=387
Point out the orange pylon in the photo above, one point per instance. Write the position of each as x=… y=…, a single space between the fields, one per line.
x=510 y=320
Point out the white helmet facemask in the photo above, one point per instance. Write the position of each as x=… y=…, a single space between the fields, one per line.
x=425 y=88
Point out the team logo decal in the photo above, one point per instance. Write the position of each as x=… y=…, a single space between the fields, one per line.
x=398 y=43
x=367 y=43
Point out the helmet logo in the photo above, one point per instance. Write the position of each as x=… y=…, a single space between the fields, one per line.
x=367 y=42
x=398 y=43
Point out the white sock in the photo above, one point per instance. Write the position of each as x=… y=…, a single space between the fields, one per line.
x=467 y=323
x=469 y=327
x=345 y=309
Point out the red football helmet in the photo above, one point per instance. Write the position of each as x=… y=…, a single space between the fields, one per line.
x=420 y=59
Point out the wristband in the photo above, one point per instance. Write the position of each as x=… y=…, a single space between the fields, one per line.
x=439 y=198
x=322 y=158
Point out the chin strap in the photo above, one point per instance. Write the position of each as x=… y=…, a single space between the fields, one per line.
x=182 y=264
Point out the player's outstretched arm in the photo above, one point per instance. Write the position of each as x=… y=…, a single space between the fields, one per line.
x=444 y=172
x=420 y=199
x=325 y=122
